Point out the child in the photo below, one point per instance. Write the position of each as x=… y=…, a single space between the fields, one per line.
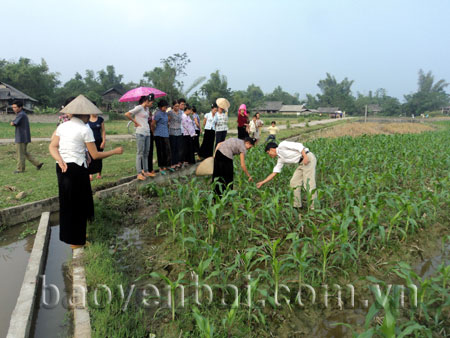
x=252 y=127
x=273 y=130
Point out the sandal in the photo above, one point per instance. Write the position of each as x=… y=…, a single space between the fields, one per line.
x=74 y=246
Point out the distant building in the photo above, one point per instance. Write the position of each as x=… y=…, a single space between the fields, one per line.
x=334 y=112
x=110 y=96
x=298 y=109
x=8 y=94
x=446 y=110
x=269 y=107
x=374 y=108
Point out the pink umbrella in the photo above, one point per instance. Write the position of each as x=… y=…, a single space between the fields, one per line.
x=136 y=93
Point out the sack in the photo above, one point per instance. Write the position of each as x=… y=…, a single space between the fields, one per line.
x=206 y=167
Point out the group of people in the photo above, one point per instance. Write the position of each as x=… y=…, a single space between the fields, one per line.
x=78 y=145
x=173 y=130
x=286 y=152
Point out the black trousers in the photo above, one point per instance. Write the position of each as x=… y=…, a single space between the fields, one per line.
x=96 y=166
x=221 y=136
x=207 y=148
x=188 y=150
x=176 y=148
x=242 y=132
x=76 y=205
x=162 y=151
x=223 y=170
x=197 y=142
x=150 y=153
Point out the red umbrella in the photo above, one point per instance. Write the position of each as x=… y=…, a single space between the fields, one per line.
x=136 y=93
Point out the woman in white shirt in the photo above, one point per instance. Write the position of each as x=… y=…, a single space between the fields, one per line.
x=209 y=126
x=68 y=148
x=221 y=125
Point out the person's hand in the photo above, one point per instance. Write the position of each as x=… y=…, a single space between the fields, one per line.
x=118 y=151
x=63 y=166
x=136 y=124
x=259 y=184
x=305 y=160
x=12 y=123
x=102 y=145
x=250 y=179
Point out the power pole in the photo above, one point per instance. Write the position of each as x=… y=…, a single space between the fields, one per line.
x=365 y=115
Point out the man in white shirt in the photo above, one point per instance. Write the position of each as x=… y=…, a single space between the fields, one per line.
x=305 y=174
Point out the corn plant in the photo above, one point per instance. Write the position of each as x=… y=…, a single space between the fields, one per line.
x=391 y=325
x=172 y=287
x=326 y=248
x=174 y=217
x=203 y=325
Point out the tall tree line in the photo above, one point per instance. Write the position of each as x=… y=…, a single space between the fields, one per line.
x=36 y=80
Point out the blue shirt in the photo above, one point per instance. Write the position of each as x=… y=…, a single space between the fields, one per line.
x=22 y=124
x=196 y=118
x=162 y=129
x=97 y=128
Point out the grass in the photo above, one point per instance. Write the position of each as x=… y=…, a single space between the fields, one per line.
x=43 y=184
x=43 y=130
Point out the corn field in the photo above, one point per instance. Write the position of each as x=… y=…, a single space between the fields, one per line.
x=377 y=196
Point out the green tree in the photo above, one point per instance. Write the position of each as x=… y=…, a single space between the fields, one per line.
x=311 y=101
x=255 y=95
x=279 y=94
x=167 y=77
x=215 y=87
x=73 y=87
x=389 y=105
x=33 y=79
x=430 y=95
x=109 y=79
x=336 y=94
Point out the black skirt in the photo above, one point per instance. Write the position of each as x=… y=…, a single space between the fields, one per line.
x=242 y=133
x=223 y=170
x=188 y=150
x=76 y=205
x=96 y=166
x=207 y=148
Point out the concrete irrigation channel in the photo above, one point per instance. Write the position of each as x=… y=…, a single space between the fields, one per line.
x=42 y=281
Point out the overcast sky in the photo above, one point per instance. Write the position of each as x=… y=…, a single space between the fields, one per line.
x=376 y=43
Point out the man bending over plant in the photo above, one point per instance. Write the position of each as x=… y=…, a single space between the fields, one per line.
x=305 y=174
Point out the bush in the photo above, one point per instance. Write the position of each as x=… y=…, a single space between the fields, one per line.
x=114 y=116
x=46 y=110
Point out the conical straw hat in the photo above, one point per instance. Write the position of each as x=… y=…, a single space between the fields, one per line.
x=206 y=167
x=223 y=103
x=81 y=106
